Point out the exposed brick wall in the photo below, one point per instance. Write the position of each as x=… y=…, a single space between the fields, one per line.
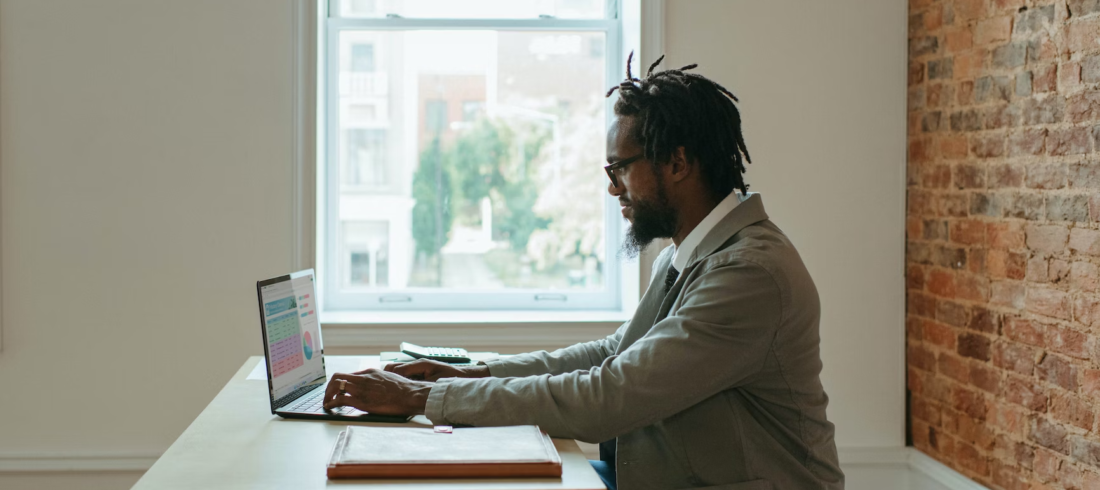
x=1003 y=239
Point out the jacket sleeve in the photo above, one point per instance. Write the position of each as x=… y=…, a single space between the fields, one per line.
x=718 y=338
x=581 y=356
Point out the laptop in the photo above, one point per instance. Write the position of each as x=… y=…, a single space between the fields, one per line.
x=293 y=353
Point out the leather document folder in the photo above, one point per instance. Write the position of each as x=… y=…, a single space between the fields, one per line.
x=423 y=452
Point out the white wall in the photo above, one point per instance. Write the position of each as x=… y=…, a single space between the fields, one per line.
x=145 y=164
x=822 y=89
x=146 y=172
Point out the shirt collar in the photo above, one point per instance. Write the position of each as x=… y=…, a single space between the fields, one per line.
x=683 y=252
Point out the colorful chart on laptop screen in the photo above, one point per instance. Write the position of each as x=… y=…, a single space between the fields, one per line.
x=307 y=345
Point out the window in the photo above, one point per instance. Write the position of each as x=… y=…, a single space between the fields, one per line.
x=465 y=145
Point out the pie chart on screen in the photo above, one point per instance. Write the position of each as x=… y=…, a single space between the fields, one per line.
x=307 y=345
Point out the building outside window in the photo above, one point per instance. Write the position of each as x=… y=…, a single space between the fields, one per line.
x=466 y=151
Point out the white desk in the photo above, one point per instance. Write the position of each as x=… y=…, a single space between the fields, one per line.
x=237 y=443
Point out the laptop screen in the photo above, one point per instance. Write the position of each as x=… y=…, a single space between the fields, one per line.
x=292 y=333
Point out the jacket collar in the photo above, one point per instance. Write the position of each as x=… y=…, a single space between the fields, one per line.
x=749 y=212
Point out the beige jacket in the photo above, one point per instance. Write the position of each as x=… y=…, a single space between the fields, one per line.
x=713 y=384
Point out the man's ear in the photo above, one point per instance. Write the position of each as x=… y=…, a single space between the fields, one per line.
x=679 y=167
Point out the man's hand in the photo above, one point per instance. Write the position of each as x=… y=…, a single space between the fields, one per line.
x=429 y=370
x=377 y=392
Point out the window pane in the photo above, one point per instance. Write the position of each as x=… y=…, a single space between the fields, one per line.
x=474 y=9
x=471 y=159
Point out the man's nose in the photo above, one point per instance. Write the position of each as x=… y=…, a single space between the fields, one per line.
x=615 y=190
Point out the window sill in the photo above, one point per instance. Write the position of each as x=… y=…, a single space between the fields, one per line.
x=502 y=331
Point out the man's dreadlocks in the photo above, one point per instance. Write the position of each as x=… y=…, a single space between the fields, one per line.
x=673 y=108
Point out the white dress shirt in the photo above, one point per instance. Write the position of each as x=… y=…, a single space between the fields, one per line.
x=684 y=251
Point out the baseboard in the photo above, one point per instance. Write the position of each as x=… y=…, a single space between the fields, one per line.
x=906 y=466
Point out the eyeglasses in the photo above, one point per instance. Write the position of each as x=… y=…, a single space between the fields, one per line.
x=613 y=168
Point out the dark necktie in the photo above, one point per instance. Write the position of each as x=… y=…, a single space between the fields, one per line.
x=670 y=278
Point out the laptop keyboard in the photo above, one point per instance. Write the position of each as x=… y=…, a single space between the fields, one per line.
x=314 y=403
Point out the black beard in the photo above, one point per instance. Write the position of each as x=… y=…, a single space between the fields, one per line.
x=652 y=220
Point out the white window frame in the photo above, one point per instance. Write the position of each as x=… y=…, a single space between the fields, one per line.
x=621 y=278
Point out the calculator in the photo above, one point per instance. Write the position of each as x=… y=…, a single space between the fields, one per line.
x=450 y=355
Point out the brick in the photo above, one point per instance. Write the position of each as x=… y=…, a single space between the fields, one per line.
x=923 y=45
x=1049 y=239
x=1002 y=116
x=974 y=346
x=949 y=257
x=989 y=146
x=1023 y=330
x=916 y=73
x=968 y=176
x=1048 y=110
x=1086 y=310
x=936 y=176
x=965 y=94
x=985 y=378
x=1046 y=466
x=1009 y=418
x=1094 y=208
x=921 y=358
x=1069 y=76
x=1083 y=7
x=939 y=334
x=989 y=88
x=1005 y=235
x=952 y=313
x=1049 y=302
x=1084 y=276
x=983 y=320
x=982 y=204
x=975 y=432
x=940 y=94
x=968 y=232
x=1084 y=450
x=969 y=402
x=1024 y=205
x=1090 y=383
x=933 y=19
x=970 y=459
x=1083 y=35
x=956 y=40
x=954 y=367
x=1037 y=269
x=1085 y=241
x=976 y=263
x=1065 y=341
x=1046 y=176
x=972 y=287
x=1010 y=55
x=1025 y=394
x=1058 y=271
x=1002 y=264
x=942 y=69
x=1090 y=69
x=956 y=205
x=953 y=147
x=1084 y=107
x=921 y=304
x=1084 y=176
x=1023 y=84
x=994 y=30
x=918 y=202
x=1027 y=142
x=914 y=277
x=930 y=122
x=1049 y=435
x=1033 y=20
x=1007 y=293
x=1013 y=357
x=968 y=120
x=1069 y=141
x=934 y=229
x=1070 y=410
x=1044 y=79
x=1058 y=371
x=1062 y=207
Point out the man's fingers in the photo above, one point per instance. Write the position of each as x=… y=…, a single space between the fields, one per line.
x=390 y=367
x=333 y=389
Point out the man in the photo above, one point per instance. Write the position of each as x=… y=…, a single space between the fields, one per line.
x=715 y=380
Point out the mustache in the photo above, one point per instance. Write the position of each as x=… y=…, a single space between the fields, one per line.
x=624 y=202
